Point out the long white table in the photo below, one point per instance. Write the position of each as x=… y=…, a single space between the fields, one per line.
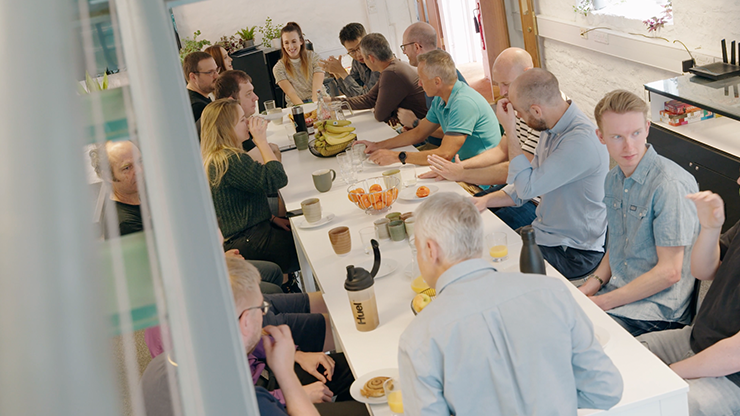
x=651 y=388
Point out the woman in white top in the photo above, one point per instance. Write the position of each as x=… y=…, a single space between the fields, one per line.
x=298 y=72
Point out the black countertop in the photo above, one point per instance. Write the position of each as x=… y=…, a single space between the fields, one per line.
x=721 y=97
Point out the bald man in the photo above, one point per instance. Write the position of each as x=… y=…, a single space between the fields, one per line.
x=568 y=172
x=492 y=166
x=419 y=38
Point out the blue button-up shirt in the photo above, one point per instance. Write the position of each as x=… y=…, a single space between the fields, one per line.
x=646 y=210
x=503 y=344
x=568 y=172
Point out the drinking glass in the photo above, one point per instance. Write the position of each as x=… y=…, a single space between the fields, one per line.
x=392 y=389
x=497 y=247
x=408 y=173
x=367 y=234
x=269 y=105
x=346 y=167
x=358 y=156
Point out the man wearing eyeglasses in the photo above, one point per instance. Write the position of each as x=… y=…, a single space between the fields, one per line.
x=280 y=353
x=201 y=73
x=361 y=79
x=420 y=38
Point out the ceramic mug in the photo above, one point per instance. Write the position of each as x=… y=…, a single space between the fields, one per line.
x=340 y=240
x=323 y=178
x=311 y=209
x=301 y=140
x=381 y=228
x=397 y=230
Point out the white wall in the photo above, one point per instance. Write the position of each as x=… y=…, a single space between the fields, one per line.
x=587 y=75
x=321 y=20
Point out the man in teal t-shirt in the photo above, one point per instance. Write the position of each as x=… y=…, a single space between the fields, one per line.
x=468 y=121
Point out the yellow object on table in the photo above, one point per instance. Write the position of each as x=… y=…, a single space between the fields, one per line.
x=395 y=402
x=418 y=285
x=498 y=251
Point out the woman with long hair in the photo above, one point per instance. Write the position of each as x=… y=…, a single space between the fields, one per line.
x=298 y=72
x=240 y=185
x=222 y=58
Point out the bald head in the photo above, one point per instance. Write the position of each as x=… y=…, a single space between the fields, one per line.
x=509 y=64
x=418 y=38
x=535 y=87
x=422 y=33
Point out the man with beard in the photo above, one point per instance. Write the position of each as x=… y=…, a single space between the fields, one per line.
x=567 y=171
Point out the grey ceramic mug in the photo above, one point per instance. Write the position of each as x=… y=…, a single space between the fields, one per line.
x=323 y=178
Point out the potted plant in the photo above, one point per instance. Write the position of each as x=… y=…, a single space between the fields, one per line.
x=192 y=45
x=247 y=36
x=270 y=34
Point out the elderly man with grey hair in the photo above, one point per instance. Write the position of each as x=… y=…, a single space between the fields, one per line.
x=470 y=127
x=398 y=85
x=494 y=343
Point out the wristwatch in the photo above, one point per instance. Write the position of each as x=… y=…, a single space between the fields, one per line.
x=416 y=123
x=402 y=157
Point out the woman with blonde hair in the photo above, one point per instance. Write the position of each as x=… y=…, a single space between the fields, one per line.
x=240 y=185
x=298 y=72
x=222 y=58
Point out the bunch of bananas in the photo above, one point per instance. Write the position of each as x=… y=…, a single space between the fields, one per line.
x=333 y=136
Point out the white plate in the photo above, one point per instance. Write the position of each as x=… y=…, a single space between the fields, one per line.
x=602 y=335
x=355 y=388
x=273 y=116
x=387 y=266
x=409 y=194
x=327 y=218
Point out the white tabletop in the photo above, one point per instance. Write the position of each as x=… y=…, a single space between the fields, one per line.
x=651 y=388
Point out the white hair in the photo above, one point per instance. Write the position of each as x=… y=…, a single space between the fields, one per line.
x=454 y=223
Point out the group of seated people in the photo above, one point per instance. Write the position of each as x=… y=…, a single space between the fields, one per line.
x=534 y=349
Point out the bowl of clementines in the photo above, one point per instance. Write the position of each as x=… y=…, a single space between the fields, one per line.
x=374 y=195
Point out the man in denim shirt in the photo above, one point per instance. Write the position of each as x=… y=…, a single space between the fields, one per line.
x=644 y=280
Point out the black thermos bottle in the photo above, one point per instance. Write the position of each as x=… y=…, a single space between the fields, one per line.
x=300 y=120
x=530 y=259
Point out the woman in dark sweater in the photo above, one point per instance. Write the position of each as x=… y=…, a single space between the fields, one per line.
x=239 y=185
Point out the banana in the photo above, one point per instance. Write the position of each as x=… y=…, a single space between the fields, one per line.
x=336 y=142
x=319 y=125
x=338 y=123
x=336 y=135
x=336 y=129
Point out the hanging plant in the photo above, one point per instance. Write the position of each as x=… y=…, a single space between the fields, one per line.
x=583 y=7
x=192 y=45
x=655 y=23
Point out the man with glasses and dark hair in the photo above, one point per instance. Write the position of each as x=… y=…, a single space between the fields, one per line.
x=200 y=72
x=361 y=79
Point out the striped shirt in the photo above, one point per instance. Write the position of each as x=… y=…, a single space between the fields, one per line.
x=528 y=137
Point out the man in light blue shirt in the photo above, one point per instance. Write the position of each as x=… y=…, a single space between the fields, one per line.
x=567 y=171
x=469 y=124
x=644 y=280
x=494 y=343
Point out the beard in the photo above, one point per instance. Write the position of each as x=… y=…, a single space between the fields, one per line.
x=537 y=124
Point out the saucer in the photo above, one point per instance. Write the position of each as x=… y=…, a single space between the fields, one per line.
x=327 y=218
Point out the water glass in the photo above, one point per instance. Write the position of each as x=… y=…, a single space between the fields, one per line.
x=408 y=173
x=367 y=234
x=346 y=168
x=269 y=105
x=358 y=156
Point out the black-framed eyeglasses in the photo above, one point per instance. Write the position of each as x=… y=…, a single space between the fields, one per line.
x=213 y=72
x=353 y=51
x=403 y=47
x=265 y=307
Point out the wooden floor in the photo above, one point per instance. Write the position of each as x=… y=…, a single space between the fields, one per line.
x=473 y=73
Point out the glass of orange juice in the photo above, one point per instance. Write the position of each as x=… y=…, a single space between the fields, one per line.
x=497 y=247
x=392 y=389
